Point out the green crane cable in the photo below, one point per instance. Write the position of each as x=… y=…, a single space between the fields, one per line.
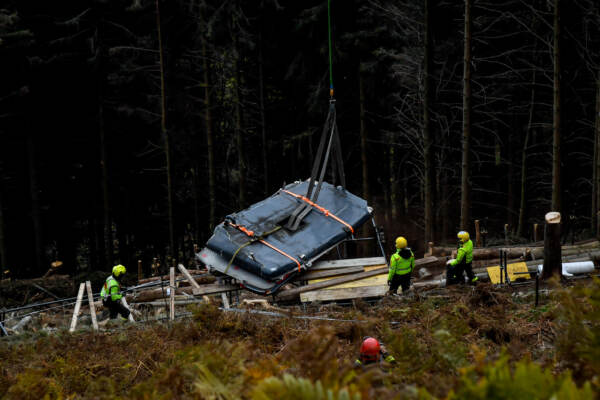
x=330 y=58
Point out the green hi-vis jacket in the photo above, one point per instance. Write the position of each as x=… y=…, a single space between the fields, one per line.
x=402 y=262
x=464 y=254
x=112 y=287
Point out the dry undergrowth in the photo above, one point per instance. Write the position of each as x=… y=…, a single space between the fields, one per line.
x=463 y=343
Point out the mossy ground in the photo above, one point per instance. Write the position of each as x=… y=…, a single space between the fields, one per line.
x=465 y=343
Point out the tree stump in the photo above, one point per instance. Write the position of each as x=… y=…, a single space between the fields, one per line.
x=552 y=247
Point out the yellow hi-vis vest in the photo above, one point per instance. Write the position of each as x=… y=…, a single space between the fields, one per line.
x=112 y=287
x=401 y=266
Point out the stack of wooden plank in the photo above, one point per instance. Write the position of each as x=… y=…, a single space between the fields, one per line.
x=369 y=280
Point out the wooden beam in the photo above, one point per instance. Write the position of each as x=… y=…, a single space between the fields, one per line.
x=124 y=302
x=291 y=294
x=77 y=307
x=187 y=275
x=88 y=286
x=353 y=262
x=327 y=273
x=344 y=293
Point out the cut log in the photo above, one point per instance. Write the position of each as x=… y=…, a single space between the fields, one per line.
x=552 y=248
x=523 y=252
x=292 y=294
x=154 y=294
x=353 y=262
x=179 y=276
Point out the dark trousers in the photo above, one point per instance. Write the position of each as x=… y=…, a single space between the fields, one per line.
x=115 y=308
x=400 y=280
x=456 y=273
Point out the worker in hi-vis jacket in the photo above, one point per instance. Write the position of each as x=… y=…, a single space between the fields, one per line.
x=463 y=262
x=402 y=263
x=111 y=293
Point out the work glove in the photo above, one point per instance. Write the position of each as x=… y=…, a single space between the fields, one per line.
x=449 y=262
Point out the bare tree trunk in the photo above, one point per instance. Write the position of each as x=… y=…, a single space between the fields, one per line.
x=510 y=195
x=465 y=196
x=196 y=194
x=556 y=159
x=165 y=134
x=427 y=134
x=3 y=256
x=523 y=203
x=596 y=196
x=363 y=136
x=261 y=87
x=393 y=182
x=239 y=142
x=36 y=213
x=210 y=148
x=106 y=210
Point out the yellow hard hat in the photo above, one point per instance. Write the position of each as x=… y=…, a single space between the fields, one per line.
x=118 y=270
x=463 y=236
x=401 y=242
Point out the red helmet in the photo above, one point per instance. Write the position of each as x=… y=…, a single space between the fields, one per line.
x=369 y=350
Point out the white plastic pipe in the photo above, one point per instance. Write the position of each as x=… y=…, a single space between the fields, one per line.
x=569 y=269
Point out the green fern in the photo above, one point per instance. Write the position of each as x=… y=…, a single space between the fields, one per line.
x=527 y=381
x=292 y=388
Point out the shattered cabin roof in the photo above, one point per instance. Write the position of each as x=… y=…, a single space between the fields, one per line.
x=316 y=234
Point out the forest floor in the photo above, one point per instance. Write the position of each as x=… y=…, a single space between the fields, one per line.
x=463 y=342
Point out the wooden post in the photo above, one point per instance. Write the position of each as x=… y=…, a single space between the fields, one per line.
x=88 y=286
x=535 y=233
x=506 y=242
x=552 y=248
x=172 y=297
x=477 y=234
x=225 y=300
x=140 y=275
x=77 y=307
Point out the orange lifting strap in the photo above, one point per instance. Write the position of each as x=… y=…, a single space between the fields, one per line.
x=325 y=212
x=251 y=234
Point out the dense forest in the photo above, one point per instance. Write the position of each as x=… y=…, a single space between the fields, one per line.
x=129 y=128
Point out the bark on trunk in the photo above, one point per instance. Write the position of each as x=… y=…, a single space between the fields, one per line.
x=106 y=210
x=556 y=137
x=165 y=134
x=427 y=134
x=261 y=87
x=393 y=182
x=523 y=194
x=3 y=257
x=210 y=148
x=465 y=197
x=552 y=248
x=596 y=209
x=36 y=213
x=239 y=142
x=363 y=136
